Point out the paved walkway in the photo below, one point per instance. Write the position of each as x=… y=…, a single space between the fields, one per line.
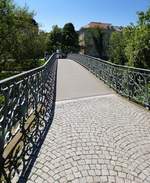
x=75 y=81
x=101 y=138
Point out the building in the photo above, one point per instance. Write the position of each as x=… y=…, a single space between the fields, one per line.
x=86 y=42
x=103 y=26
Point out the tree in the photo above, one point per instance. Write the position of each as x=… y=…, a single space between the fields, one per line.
x=21 y=41
x=70 y=42
x=6 y=29
x=138 y=47
x=41 y=44
x=132 y=45
x=117 y=48
x=97 y=36
x=65 y=39
x=26 y=33
x=54 y=39
x=144 y=17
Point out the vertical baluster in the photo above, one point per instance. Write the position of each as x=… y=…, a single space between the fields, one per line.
x=147 y=95
x=2 y=130
x=1 y=150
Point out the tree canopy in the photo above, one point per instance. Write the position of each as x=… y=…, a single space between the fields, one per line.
x=54 y=39
x=6 y=28
x=22 y=42
x=65 y=39
x=116 y=50
x=132 y=45
x=20 y=36
x=97 y=36
x=70 y=41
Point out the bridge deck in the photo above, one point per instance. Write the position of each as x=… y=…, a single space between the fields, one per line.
x=102 y=138
x=75 y=81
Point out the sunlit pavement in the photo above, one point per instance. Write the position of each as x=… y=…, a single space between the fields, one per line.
x=99 y=138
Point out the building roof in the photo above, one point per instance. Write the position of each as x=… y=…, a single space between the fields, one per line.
x=100 y=25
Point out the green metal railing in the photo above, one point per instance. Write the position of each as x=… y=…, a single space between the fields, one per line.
x=26 y=110
x=130 y=82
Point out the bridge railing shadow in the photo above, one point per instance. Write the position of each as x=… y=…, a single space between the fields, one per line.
x=133 y=83
x=27 y=103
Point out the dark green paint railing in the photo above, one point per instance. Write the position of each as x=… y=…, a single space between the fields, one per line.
x=26 y=111
x=130 y=82
x=27 y=105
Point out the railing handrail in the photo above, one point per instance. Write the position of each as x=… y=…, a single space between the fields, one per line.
x=116 y=65
x=130 y=82
x=26 y=111
x=25 y=73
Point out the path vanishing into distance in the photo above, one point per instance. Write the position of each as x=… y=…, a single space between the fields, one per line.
x=96 y=136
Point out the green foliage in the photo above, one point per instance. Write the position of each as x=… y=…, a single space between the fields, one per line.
x=6 y=28
x=54 y=39
x=144 y=17
x=138 y=42
x=26 y=34
x=70 y=42
x=96 y=42
x=22 y=43
x=41 y=44
x=2 y=100
x=65 y=39
x=97 y=36
x=20 y=38
x=132 y=45
x=117 y=48
x=12 y=67
x=41 y=62
x=6 y=75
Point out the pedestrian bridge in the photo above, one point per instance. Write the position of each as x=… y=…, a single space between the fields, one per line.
x=76 y=120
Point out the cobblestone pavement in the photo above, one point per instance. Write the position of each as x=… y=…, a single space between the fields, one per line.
x=96 y=139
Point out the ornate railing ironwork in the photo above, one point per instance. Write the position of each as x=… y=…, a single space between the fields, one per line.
x=133 y=83
x=27 y=105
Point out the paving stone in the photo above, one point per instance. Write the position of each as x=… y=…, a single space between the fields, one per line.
x=104 y=179
x=45 y=169
x=95 y=139
x=77 y=174
x=112 y=179
x=39 y=179
x=30 y=181
x=70 y=177
x=89 y=179
x=33 y=177
x=91 y=172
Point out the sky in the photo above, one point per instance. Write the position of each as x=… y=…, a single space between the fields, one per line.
x=81 y=12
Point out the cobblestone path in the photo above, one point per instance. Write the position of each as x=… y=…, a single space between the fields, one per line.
x=103 y=139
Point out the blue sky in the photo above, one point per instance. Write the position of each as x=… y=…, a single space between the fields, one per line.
x=81 y=12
